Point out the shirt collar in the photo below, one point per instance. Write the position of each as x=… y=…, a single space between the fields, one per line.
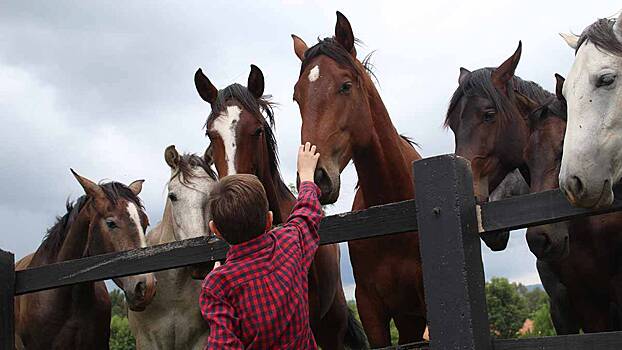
x=256 y=244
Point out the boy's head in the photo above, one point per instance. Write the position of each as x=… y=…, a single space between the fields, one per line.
x=239 y=208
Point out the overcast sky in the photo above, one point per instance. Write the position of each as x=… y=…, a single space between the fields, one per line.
x=104 y=87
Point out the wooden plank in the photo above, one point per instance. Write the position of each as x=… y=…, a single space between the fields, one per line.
x=7 y=285
x=375 y=221
x=453 y=273
x=422 y=345
x=593 y=341
x=537 y=209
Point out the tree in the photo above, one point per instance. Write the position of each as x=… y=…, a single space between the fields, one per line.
x=119 y=306
x=507 y=308
x=120 y=336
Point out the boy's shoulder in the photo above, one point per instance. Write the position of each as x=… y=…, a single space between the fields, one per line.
x=218 y=281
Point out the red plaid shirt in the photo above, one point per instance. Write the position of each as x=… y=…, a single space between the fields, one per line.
x=259 y=298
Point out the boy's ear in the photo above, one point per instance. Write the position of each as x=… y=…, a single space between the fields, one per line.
x=269 y=218
x=213 y=228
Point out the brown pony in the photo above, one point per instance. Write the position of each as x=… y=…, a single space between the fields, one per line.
x=109 y=218
x=584 y=282
x=243 y=142
x=343 y=114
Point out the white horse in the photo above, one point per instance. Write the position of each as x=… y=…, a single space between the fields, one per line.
x=592 y=160
x=173 y=319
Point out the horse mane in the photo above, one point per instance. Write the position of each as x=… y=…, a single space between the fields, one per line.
x=331 y=48
x=410 y=141
x=187 y=161
x=55 y=236
x=602 y=34
x=257 y=107
x=479 y=83
x=554 y=107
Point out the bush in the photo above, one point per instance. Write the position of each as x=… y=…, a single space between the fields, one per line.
x=120 y=336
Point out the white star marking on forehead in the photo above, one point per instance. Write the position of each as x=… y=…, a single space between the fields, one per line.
x=314 y=74
x=225 y=126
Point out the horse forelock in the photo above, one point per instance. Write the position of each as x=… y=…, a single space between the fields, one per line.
x=479 y=83
x=601 y=33
x=185 y=168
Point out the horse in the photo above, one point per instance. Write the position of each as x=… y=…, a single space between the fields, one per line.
x=108 y=218
x=243 y=142
x=584 y=283
x=591 y=161
x=344 y=116
x=173 y=319
x=490 y=127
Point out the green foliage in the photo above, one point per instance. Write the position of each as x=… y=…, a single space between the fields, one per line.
x=507 y=308
x=119 y=306
x=542 y=323
x=394 y=334
x=120 y=336
x=534 y=298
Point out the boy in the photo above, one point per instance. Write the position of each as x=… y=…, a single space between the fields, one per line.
x=258 y=299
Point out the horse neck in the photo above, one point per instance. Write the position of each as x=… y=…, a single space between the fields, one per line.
x=75 y=244
x=384 y=161
x=280 y=203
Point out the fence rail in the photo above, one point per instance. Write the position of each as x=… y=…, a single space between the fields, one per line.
x=449 y=222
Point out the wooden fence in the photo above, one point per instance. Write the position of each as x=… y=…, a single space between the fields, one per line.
x=449 y=224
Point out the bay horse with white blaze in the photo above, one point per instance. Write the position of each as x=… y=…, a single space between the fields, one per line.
x=243 y=142
x=343 y=114
x=173 y=320
x=109 y=218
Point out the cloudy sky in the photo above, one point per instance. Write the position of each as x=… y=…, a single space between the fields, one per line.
x=104 y=87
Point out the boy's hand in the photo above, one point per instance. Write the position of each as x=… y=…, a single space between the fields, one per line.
x=307 y=161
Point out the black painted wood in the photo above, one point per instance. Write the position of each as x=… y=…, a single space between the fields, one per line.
x=7 y=285
x=453 y=273
x=423 y=345
x=593 y=341
x=537 y=209
x=375 y=221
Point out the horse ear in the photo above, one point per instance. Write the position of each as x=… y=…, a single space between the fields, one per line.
x=559 y=86
x=207 y=156
x=570 y=39
x=464 y=73
x=344 y=35
x=525 y=105
x=171 y=156
x=255 y=81
x=300 y=47
x=504 y=73
x=136 y=186
x=92 y=190
x=617 y=28
x=206 y=89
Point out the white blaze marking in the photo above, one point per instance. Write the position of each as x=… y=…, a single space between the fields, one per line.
x=225 y=125
x=131 y=209
x=314 y=73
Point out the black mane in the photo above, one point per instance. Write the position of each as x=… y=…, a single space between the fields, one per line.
x=188 y=161
x=554 y=107
x=479 y=83
x=602 y=34
x=56 y=234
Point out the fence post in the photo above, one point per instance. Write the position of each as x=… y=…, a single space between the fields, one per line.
x=7 y=291
x=453 y=273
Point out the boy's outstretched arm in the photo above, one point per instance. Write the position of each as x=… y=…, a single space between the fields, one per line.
x=307 y=212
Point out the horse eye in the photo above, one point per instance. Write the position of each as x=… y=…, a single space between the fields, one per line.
x=258 y=131
x=605 y=80
x=172 y=197
x=489 y=116
x=111 y=224
x=345 y=87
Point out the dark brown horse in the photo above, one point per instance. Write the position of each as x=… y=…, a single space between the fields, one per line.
x=109 y=218
x=243 y=142
x=584 y=282
x=343 y=114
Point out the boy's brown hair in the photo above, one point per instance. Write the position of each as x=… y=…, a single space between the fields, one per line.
x=238 y=205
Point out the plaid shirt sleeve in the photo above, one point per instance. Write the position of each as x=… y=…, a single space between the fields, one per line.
x=222 y=323
x=305 y=218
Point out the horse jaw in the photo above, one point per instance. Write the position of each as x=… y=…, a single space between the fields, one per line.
x=591 y=161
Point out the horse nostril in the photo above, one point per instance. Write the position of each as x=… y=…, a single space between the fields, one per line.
x=140 y=289
x=538 y=243
x=576 y=186
x=319 y=175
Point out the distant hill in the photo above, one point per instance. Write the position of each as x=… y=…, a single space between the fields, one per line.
x=532 y=287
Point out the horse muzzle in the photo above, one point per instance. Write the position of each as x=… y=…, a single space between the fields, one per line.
x=140 y=292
